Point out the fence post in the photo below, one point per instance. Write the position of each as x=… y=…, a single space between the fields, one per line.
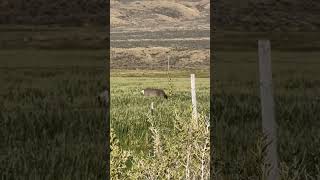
x=150 y=60
x=269 y=125
x=152 y=108
x=169 y=78
x=193 y=98
x=168 y=63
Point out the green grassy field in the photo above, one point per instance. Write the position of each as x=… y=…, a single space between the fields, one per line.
x=238 y=118
x=51 y=125
x=130 y=108
x=158 y=143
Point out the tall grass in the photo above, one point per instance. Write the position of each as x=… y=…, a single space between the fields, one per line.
x=51 y=125
x=161 y=144
x=238 y=118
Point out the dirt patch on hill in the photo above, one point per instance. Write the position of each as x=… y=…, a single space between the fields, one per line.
x=157 y=58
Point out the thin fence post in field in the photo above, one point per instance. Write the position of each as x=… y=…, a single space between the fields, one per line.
x=168 y=63
x=152 y=108
x=169 y=77
x=269 y=125
x=150 y=60
x=193 y=98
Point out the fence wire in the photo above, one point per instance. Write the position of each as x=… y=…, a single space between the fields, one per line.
x=151 y=67
x=252 y=86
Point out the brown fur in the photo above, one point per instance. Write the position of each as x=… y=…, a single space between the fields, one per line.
x=154 y=92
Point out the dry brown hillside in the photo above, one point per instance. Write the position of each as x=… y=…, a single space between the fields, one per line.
x=151 y=13
x=146 y=32
x=240 y=15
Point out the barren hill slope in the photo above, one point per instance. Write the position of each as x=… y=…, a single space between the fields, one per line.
x=151 y=13
x=240 y=15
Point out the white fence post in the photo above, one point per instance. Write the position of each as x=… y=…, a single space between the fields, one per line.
x=168 y=63
x=267 y=108
x=152 y=108
x=193 y=98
